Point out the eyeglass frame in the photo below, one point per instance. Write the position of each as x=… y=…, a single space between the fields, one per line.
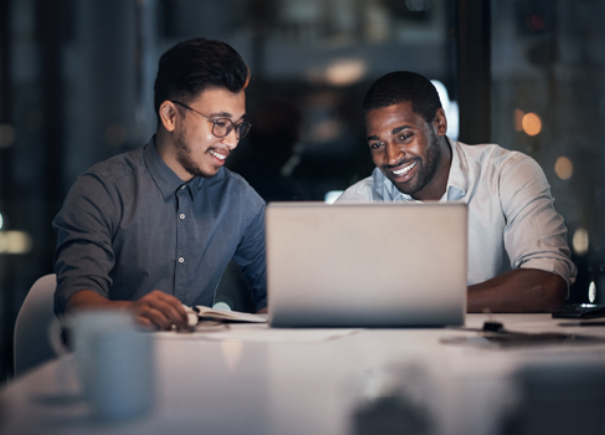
x=230 y=128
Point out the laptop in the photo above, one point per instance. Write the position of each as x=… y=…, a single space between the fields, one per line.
x=366 y=265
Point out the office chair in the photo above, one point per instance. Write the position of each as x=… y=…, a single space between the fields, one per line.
x=31 y=344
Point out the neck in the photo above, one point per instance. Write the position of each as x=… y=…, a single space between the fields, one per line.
x=164 y=144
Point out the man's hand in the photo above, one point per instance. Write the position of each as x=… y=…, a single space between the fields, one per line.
x=154 y=310
x=160 y=310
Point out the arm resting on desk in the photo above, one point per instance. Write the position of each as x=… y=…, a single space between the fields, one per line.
x=518 y=291
x=154 y=310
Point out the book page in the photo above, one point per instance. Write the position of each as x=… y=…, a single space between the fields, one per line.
x=238 y=316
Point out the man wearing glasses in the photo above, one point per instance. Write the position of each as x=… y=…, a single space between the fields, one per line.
x=154 y=228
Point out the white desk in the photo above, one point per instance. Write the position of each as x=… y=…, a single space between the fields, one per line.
x=207 y=384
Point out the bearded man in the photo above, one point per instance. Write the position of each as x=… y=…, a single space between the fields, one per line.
x=519 y=260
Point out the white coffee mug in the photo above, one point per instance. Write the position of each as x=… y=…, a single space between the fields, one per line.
x=114 y=362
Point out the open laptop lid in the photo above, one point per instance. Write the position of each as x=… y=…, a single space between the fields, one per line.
x=359 y=264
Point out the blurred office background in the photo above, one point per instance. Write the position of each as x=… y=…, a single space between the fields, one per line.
x=76 y=87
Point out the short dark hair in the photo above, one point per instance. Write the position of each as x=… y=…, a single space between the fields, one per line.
x=192 y=66
x=399 y=87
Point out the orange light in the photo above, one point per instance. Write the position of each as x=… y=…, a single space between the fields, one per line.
x=563 y=168
x=344 y=72
x=531 y=123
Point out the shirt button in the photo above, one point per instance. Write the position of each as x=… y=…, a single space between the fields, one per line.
x=182 y=187
x=181 y=260
x=182 y=215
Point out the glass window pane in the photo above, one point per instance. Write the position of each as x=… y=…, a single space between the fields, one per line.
x=548 y=100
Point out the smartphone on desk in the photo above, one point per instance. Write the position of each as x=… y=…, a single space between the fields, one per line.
x=580 y=311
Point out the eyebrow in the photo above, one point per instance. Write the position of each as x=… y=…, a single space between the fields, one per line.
x=394 y=131
x=398 y=129
x=225 y=115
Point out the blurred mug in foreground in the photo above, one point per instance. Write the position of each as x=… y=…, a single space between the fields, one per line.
x=558 y=398
x=114 y=362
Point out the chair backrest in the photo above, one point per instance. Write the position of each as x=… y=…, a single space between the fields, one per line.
x=31 y=344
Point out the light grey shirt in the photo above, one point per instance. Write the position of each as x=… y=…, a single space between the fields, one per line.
x=512 y=221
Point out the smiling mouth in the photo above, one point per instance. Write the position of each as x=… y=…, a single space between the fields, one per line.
x=218 y=155
x=404 y=170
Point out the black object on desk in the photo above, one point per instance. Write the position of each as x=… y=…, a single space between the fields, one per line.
x=495 y=335
x=580 y=311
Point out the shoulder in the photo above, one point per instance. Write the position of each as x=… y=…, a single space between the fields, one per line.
x=490 y=153
x=492 y=158
x=362 y=191
x=119 y=166
x=104 y=179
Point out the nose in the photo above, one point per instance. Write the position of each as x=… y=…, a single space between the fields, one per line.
x=231 y=140
x=394 y=154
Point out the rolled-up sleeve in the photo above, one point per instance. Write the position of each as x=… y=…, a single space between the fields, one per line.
x=84 y=256
x=535 y=235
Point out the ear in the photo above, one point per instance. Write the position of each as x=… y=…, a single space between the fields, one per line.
x=167 y=114
x=440 y=122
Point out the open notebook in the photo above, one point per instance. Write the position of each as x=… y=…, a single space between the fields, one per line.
x=194 y=314
x=356 y=265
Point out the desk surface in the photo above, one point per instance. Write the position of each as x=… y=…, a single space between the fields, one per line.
x=255 y=380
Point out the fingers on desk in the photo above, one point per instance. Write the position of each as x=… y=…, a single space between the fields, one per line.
x=160 y=309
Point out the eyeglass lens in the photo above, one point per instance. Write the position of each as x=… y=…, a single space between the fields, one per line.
x=222 y=127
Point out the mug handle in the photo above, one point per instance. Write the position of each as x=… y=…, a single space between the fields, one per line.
x=56 y=336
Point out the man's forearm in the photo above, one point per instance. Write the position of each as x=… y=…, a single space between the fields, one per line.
x=154 y=310
x=518 y=291
x=86 y=299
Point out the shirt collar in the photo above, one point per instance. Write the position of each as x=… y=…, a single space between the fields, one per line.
x=165 y=178
x=457 y=182
x=386 y=190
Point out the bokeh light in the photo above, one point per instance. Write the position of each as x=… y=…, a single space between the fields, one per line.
x=563 y=168
x=222 y=306
x=345 y=72
x=531 y=123
x=592 y=292
x=580 y=241
x=15 y=242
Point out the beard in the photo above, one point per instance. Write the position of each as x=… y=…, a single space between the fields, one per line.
x=183 y=156
x=427 y=168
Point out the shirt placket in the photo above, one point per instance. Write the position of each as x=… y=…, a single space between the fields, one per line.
x=182 y=259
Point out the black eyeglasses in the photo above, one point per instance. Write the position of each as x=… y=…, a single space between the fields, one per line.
x=221 y=127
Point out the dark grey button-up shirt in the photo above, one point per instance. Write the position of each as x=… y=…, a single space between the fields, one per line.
x=129 y=225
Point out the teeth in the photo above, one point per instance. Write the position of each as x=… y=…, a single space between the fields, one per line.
x=405 y=170
x=217 y=155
